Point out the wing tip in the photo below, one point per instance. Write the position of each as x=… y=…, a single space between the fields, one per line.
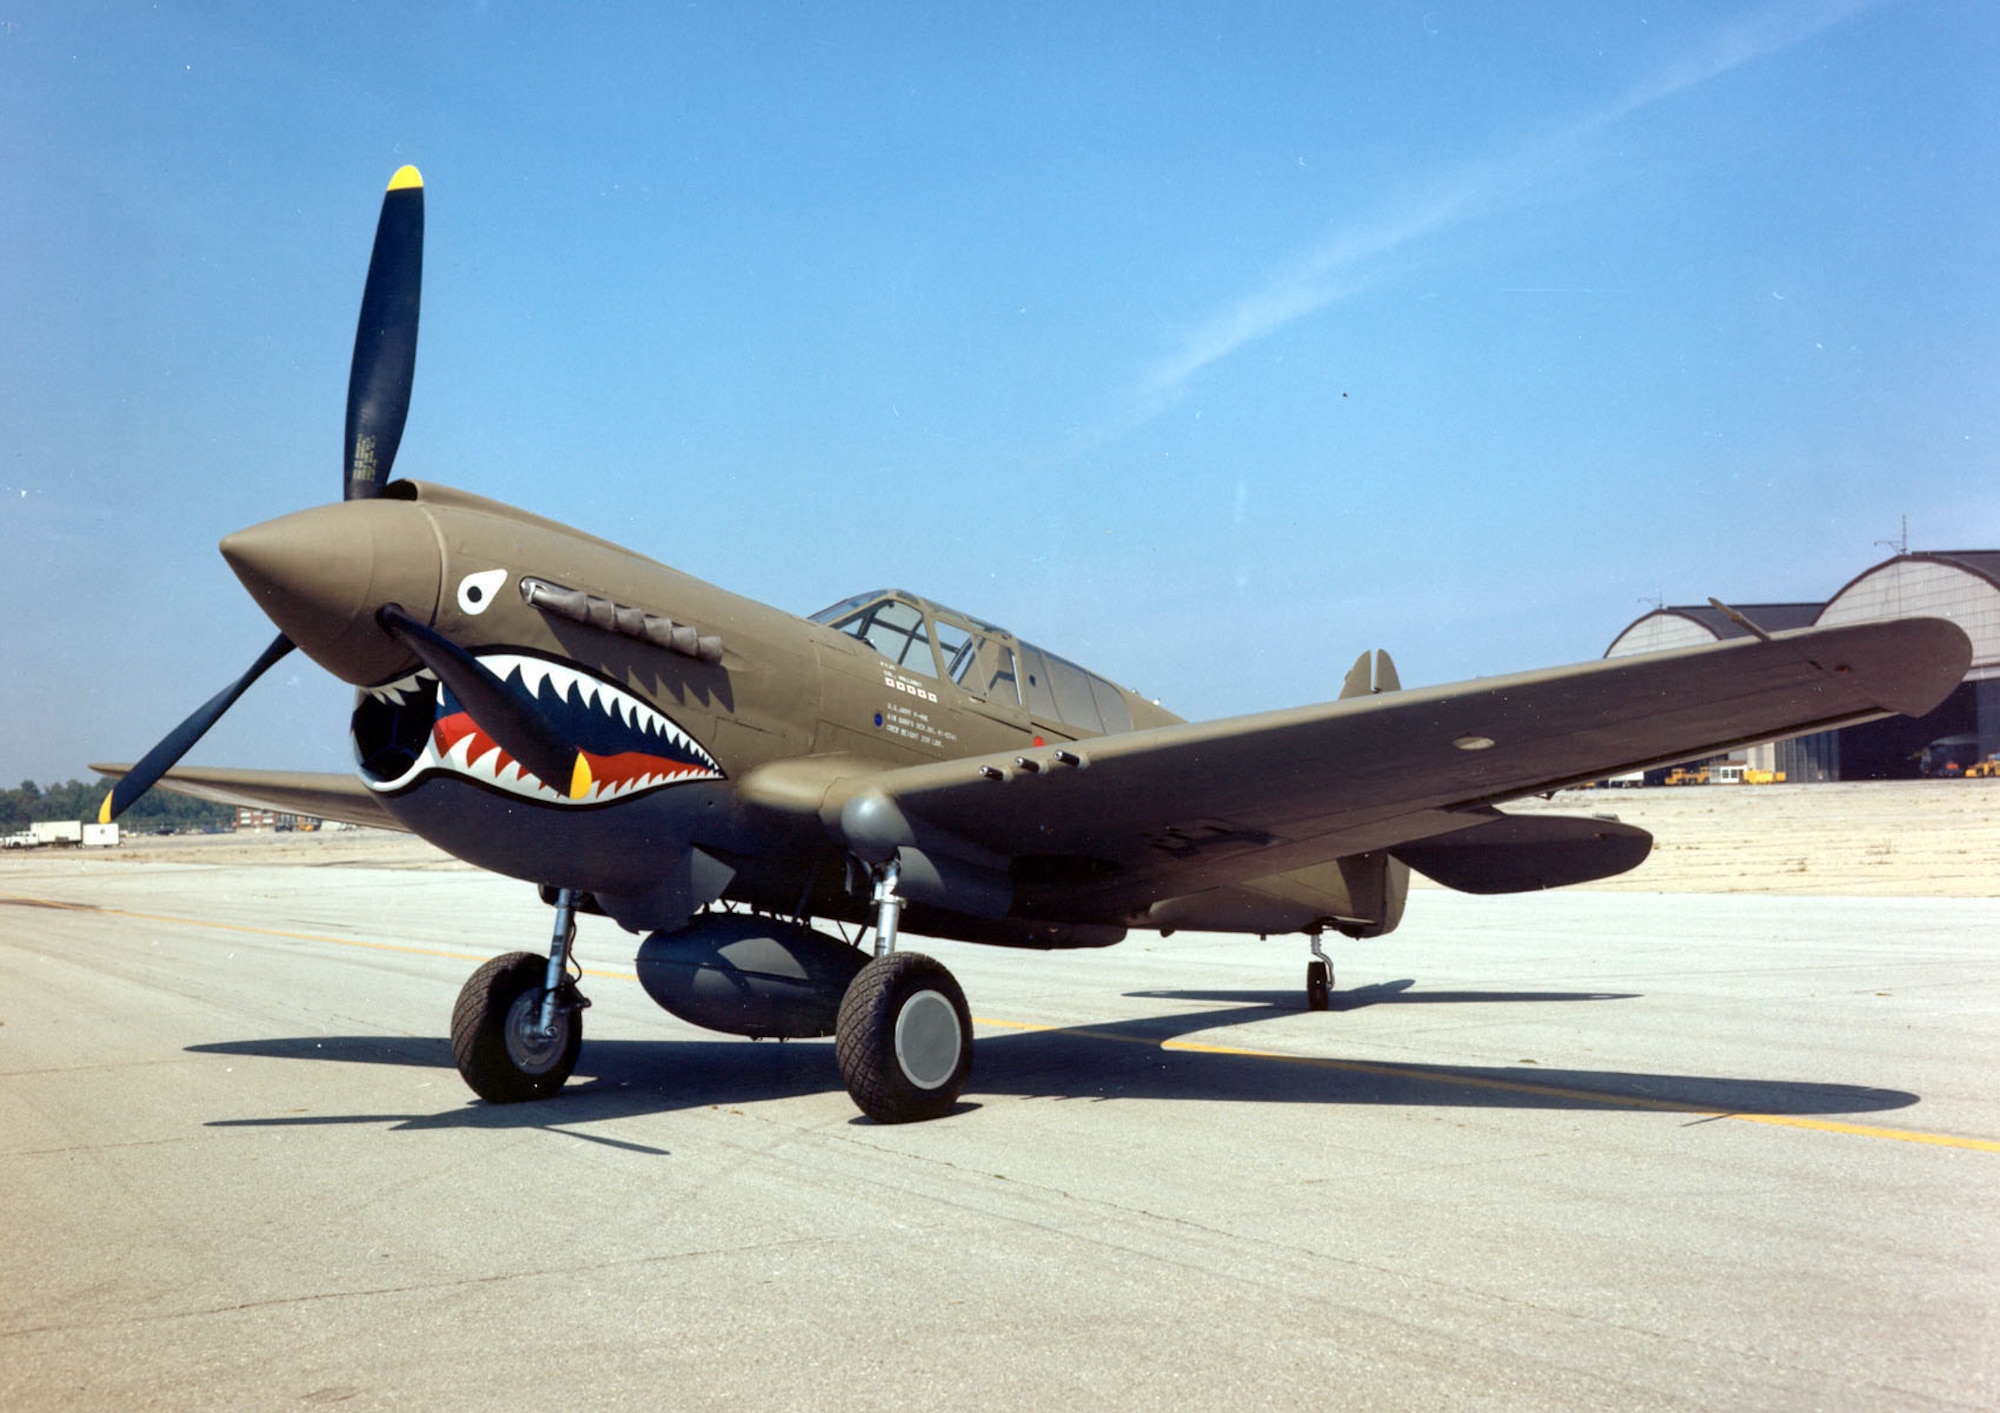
x=1922 y=661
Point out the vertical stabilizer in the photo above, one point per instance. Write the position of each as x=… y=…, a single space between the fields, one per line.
x=1377 y=883
x=1372 y=672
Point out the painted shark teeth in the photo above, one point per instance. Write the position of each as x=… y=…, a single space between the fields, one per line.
x=566 y=682
x=654 y=749
x=401 y=690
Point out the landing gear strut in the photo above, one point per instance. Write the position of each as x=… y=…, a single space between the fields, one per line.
x=904 y=1038
x=518 y=1024
x=1319 y=978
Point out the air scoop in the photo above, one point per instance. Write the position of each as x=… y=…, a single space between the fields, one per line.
x=321 y=574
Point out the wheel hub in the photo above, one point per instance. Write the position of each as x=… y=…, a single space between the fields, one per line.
x=928 y=1040
x=533 y=1050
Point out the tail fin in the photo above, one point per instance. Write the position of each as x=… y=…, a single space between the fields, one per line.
x=1376 y=883
x=1372 y=672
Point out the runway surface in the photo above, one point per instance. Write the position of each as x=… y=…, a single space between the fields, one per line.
x=1569 y=1150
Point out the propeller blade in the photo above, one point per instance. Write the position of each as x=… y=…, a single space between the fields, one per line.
x=180 y=741
x=515 y=726
x=385 y=341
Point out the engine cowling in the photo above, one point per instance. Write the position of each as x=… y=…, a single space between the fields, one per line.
x=750 y=975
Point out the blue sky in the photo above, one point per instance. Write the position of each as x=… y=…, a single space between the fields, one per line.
x=1206 y=345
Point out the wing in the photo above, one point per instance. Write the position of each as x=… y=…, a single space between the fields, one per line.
x=322 y=796
x=1164 y=812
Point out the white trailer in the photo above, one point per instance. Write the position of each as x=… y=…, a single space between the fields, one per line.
x=58 y=831
x=100 y=836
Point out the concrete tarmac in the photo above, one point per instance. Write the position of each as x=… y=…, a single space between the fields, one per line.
x=1567 y=1150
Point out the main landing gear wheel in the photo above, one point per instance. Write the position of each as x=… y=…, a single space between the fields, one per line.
x=904 y=1038
x=1319 y=985
x=496 y=1033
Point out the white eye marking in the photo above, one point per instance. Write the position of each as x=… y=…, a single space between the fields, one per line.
x=475 y=591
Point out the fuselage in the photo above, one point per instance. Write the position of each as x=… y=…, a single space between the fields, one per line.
x=677 y=691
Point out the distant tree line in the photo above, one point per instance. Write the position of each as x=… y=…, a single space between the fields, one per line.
x=156 y=809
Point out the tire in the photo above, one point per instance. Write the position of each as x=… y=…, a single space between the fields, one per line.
x=1319 y=985
x=904 y=1039
x=492 y=1032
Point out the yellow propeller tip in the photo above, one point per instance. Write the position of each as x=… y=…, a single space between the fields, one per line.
x=104 y=810
x=579 y=780
x=406 y=177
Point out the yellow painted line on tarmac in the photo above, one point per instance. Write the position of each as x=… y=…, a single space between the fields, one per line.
x=1900 y=1135
x=1463 y=1081
x=1514 y=1086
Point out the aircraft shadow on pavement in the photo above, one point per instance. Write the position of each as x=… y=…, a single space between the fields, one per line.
x=1126 y=1059
x=1382 y=993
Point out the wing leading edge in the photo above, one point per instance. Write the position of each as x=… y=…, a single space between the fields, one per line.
x=320 y=795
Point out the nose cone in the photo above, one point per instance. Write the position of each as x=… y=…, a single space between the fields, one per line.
x=320 y=575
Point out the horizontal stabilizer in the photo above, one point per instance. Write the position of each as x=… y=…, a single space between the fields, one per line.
x=1523 y=853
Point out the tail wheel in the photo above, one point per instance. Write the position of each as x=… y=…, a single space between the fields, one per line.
x=904 y=1039
x=1319 y=985
x=496 y=1033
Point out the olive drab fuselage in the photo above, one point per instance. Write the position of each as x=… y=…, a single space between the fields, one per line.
x=785 y=705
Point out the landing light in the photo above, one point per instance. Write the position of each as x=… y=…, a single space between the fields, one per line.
x=1474 y=743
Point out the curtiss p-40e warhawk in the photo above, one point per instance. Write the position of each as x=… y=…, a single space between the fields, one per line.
x=719 y=774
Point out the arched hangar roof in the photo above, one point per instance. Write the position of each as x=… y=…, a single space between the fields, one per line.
x=1961 y=585
x=1690 y=626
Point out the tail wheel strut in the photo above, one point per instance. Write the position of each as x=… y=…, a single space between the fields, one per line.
x=1319 y=979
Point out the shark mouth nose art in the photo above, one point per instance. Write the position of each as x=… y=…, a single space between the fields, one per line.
x=412 y=728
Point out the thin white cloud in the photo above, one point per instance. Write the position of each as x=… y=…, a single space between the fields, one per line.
x=1742 y=41
x=1320 y=277
x=1339 y=267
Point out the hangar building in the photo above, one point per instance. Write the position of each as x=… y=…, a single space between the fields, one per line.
x=1962 y=585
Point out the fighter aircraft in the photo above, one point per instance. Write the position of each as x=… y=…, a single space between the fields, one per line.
x=722 y=775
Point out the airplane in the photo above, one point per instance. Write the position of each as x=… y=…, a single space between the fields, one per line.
x=721 y=775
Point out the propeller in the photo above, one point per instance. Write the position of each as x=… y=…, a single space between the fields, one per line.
x=385 y=340
x=181 y=739
x=378 y=401
x=515 y=726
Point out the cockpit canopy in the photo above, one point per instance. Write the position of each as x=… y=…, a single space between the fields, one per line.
x=986 y=662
